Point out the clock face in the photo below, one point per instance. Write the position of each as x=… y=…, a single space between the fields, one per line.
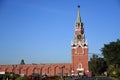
x=79 y=36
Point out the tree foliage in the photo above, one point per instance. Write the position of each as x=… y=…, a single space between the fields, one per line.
x=22 y=62
x=97 y=65
x=111 y=53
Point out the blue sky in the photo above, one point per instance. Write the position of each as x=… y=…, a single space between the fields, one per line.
x=41 y=31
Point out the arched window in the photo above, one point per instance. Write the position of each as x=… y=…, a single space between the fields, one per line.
x=80 y=65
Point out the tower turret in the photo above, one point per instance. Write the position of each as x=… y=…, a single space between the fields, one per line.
x=79 y=48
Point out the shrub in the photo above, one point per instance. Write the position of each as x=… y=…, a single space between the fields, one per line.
x=115 y=72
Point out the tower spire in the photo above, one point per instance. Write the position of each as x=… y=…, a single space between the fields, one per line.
x=78 y=16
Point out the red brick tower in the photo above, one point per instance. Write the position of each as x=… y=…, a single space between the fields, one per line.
x=79 y=48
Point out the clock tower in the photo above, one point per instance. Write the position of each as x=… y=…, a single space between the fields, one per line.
x=79 y=48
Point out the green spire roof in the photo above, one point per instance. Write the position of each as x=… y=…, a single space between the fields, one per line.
x=78 y=16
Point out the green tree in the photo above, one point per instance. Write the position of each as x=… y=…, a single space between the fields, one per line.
x=111 y=53
x=22 y=62
x=97 y=65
